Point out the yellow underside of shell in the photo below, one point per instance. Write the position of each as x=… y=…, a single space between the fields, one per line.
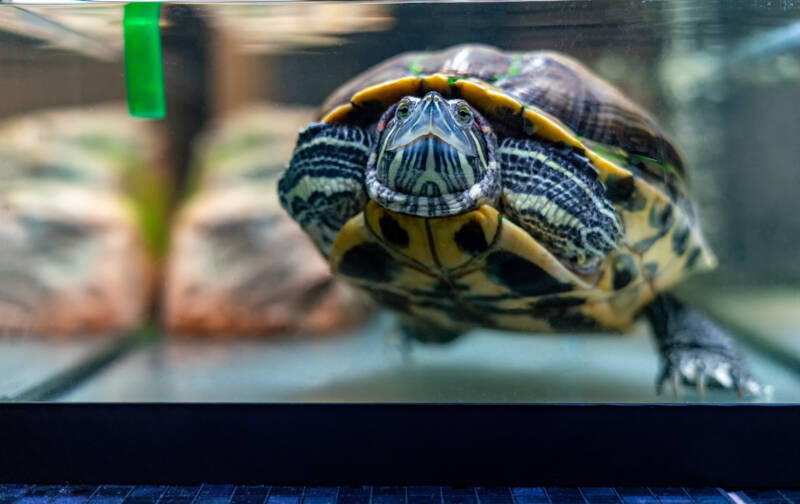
x=510 y=281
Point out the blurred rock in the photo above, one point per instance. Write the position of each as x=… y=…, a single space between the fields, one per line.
x=73 y=261
x=78 y=248
x=238 y=265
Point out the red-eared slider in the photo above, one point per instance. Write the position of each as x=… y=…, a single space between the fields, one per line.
x=478 y=188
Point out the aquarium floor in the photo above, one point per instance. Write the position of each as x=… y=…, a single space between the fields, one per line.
x=232 y=494
x=369 y=365
x=482 y=367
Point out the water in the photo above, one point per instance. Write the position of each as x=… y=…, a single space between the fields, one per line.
x=721 y=78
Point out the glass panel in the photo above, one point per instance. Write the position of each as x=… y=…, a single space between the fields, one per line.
x=151 y=260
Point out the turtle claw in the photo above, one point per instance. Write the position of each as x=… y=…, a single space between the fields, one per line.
x=701 y=386
x=671 y=376
x=698 y=353
x=400 y=343
x=676 y=385
x=703 y=368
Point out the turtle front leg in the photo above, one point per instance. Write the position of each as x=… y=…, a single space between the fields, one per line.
x=323 y=187
x=553 y=192
x=696 y=351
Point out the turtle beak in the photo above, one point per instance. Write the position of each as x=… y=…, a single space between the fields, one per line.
x=432 y=118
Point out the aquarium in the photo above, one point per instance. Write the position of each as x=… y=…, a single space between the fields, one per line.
x=146 y=255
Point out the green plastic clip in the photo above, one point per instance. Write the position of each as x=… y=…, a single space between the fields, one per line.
x=144 y=66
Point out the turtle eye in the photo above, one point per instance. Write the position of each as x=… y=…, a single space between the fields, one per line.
x=402 y=110
x=464 y=114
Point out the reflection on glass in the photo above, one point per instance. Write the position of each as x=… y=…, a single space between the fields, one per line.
x=109 y=225
x=238 y=264
x=79 y=257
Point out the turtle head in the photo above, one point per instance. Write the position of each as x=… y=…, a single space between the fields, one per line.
x=434 y=157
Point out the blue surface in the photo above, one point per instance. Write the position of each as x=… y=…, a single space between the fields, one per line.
x=261 y=494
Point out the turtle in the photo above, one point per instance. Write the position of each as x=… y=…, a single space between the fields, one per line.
x=473 y=187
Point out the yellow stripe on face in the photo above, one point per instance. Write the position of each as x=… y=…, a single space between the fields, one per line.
x=464 y=167
x=395 y=167
x=477 y=142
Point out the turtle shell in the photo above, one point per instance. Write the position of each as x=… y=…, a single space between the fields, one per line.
x=549 y=96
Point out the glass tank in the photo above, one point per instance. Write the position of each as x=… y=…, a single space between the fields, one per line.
x=627 y=201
